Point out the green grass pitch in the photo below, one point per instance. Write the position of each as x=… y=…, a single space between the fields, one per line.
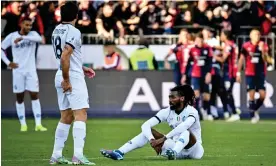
x=238 y=143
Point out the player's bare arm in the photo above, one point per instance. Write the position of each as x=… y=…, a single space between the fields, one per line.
x=166 y=61
x=121 y=28
x=265 y=54
x=17 y=40
x=4 y=58
x=223 y=58
x=240 y=63
x=100 y=28
x=65 y=64
x=35 y=38
x=90 y=73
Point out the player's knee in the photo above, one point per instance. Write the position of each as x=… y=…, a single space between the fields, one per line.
x=262 y=94
x=20 y=98
x=34 y=95
x=80 y=115
x=67 y=118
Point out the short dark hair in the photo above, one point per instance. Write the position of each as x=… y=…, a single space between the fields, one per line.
x=227 y=33
x=199 y=35
x=143 y=42
x=69 y=11
x=187 y=92
x=26 y=19
x=109 y=43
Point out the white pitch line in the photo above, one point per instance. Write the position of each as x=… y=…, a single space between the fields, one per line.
x=97 y=158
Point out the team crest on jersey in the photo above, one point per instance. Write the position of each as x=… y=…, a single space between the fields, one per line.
x=195 y=53
x=205 y=52
x=183 y=119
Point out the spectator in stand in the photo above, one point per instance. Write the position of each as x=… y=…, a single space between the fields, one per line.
x=47 y=13
x=133 y=21
x=227 y=21
x=122 y=11
x=168 y=18
x=33 y=13
x=150 y=19
x=199 y=14
x=12 y=15
x=241 y=17
x=271 y=14
x=86 y=17
x=105 y=22
x=184 y=19
x=57 y=11
x=262 y=19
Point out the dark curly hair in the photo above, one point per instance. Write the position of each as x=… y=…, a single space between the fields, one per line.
x=187 y=92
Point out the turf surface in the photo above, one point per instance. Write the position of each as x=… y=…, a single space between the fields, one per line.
x=238 y=143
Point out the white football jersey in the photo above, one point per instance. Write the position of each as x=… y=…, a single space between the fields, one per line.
x=24 y=51
x=63 y=34
x=169 y=116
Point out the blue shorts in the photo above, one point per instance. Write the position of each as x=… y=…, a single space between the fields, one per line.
x=255 y=82
x=199 y=84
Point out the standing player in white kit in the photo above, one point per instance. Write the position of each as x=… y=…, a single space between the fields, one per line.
x=71 y=87
x=23 y=67
x=182 y=142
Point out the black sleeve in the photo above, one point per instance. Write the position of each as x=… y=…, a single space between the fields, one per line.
x=188 y=64
x=243 y=51
x=155 y=63
x=209 y=62
x=130 y=65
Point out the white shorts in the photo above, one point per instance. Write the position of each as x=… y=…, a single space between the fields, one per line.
x=195 y=152
x=25 y=81
x=77 y=99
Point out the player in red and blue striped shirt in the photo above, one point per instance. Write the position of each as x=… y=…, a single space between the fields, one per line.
x=255 y=54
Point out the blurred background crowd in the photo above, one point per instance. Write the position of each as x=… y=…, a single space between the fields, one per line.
x=124 y=22
x=118 y=19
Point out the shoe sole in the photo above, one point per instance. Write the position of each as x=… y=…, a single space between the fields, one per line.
x=108 y=156
x=41 y=130
x=78 y=163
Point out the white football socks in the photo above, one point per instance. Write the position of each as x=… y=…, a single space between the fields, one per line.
x=20 y=109
x=182 y=141
x=61 y=136
x=79 y=134
x=136 y=142
x=36 y=111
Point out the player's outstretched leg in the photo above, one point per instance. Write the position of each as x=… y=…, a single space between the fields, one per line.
x=61 y=135
x=118 y=154
x=37 y=111
x=79 y=134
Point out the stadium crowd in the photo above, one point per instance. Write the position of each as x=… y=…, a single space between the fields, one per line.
x=111 y=19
